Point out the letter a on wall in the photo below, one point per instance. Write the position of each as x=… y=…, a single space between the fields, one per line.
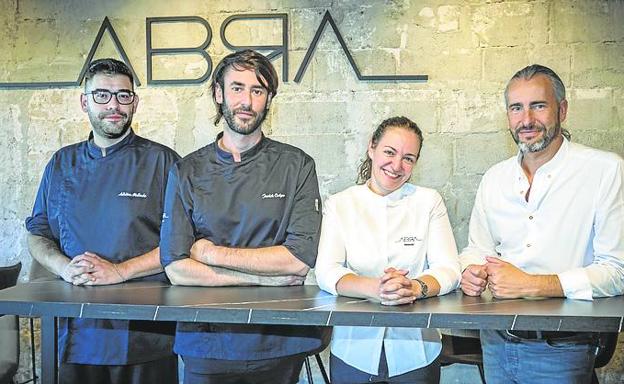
x=106 y=24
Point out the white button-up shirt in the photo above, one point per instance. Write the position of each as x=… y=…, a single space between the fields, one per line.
x=572 y=225
x=363 y=233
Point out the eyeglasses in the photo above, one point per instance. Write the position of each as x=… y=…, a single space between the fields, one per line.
x=103 y=96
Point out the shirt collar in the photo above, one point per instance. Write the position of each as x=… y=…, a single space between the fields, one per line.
x=552 y=164
x=227 y=157
x=97 y=152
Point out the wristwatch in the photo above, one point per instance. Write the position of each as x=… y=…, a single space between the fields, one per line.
x=424 y=289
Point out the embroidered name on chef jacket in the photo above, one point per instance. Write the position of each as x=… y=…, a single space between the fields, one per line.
x=133 y=195
x=276 y=195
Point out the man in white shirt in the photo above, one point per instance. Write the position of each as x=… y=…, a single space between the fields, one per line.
x=548 y=222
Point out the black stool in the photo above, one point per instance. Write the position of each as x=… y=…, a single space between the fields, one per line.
x=326 y=333
x=462 y=350
x=9 y=329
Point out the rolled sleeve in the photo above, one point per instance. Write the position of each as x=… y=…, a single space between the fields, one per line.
x=302 y=237
x=38 y=223
x=177 y=233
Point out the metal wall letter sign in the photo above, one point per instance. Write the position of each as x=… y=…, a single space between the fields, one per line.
x=150 y=52
x=275 y=51
x=106 y=25
x=306 y=60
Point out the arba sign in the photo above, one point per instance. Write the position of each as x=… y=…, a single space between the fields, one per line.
x=275 y=51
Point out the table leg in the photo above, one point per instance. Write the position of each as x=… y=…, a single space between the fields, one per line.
x=49 y=354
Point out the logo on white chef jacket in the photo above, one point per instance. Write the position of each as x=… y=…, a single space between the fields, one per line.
x=408 y=241
x=133 y=195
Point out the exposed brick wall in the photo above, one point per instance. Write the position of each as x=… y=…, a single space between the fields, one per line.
x=469 y=49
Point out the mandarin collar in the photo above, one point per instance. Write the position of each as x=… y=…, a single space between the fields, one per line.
x=393 y=197
x=552 y=164
x=227 y=157
x=97 y=152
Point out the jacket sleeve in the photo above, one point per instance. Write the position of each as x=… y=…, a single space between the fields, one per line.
x=302 y=236
x=442 y=260
x=37 y=223
x=330 y=265
x=177 y=232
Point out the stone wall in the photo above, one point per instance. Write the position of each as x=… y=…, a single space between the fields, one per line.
x=468 y=49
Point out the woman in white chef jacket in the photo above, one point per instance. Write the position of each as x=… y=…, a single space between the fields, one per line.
x=388 y=241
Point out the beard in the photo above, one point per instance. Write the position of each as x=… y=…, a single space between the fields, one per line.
x=547 y=137
x=110 y=129
x=243 y=127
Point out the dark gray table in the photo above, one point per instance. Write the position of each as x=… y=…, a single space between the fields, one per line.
x=305 y=305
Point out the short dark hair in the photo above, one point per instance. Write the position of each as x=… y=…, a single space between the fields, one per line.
x=244 y=60
x=109 y=67
x=365 y=168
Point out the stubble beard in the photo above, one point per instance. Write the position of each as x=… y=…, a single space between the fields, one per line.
x=247 y=128
x=110 y=130
x=547 y=137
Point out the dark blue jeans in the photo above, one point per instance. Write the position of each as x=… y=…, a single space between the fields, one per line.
x=510 y=359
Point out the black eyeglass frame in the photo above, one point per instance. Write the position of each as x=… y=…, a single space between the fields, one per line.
x=110 y=96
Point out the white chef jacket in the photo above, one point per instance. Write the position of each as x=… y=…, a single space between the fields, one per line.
x=363 y=233
x=572 y=225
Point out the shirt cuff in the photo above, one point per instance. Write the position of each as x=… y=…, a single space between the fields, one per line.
x=575 y=284
x=445 y=277
x=467 y=259
x=330 y=278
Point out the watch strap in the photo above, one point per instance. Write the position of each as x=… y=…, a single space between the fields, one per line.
x=424 y=289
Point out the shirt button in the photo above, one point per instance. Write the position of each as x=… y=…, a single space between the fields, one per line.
x=528 y=245
x=530 y=217
x=522 y=192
